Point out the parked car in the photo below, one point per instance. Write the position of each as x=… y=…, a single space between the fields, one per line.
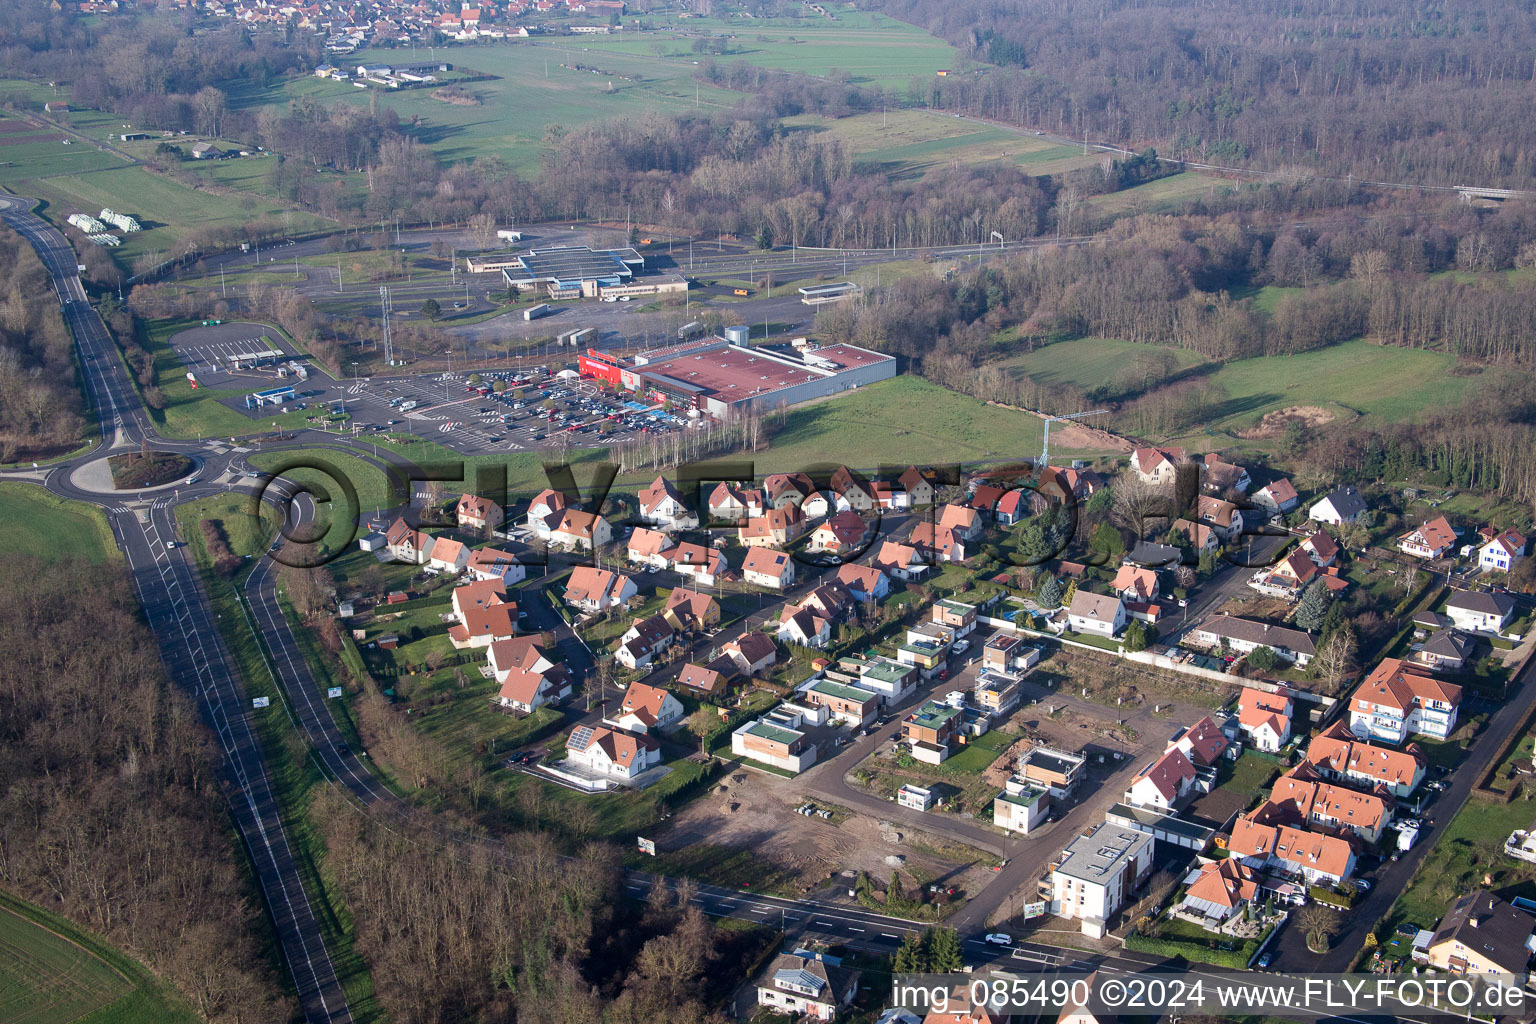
x=1265 y=961
x=999 y=939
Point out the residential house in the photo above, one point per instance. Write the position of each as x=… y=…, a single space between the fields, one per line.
x=1265 y=718
x=662 y=505
x=1335 y=753
x=965 y=523
x=528 y=678
x=1164 y=783
x=752 y=653
x=1321 y=548
x=838 y=535
x=995 y=693
x=1301 y=797
x=830 y=600
x=702 y=678
x=768 y=567
x=482 y=594
x=494 y=564
x=888 y=679
x=856 y=492
x=1219 y=476
x=1221 y=516
x=1500 y=553
x=803 y=984
x=786 y=490
x=1479 y=612
x=612 y=752
x=580 y=531
x=649 y=547
x=705 y=565
x=1200 y=537
x=936 y=544
x=931 y=730
x=900 y=560
x=1150 y=555
x=958 y=616
x=1099 y=614
x=918 y=487
x=481 y=627
x=1317 y=858
x=985 y=498
x=593 y=590
x=1483 y=934
x=864 y=582
x=890 y=496
x=1020 y=806
x=407 y=544
x=1341 y=505
x=1008 y=652
x=691 y=612
x=1287 y=578
x=1431 y=540
x=851 y=705
x=781 y=737
x=1157 y=465
x=1098 y=873
x=1203 y=743
x=448 y=555
x=1243 y=636
x=803 y=627
x=1444 y=650
x=1221 y=890
x=648 y=707
x=776 y=527
x=734 y=504
x=1056 y=770
x=643 y=640
x=1012 y=507
x=544 y=512
x=476 y=513
x=1278 y=497
x=1135 y=584
x=1393 y=703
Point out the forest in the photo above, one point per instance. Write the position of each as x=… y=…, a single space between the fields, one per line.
x=1432 y=92
x=42 y=408
x=112 y=814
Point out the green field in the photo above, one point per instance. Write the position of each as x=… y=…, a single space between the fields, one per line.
x=164 y=207
x=903 y=420
x=51 y=973
x=1087 y=363
x=1160 y=195
x=52 y=528
x=1394 y=383
x=910 y=142
x=872 y=49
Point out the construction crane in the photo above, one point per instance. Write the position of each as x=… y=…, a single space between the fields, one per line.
x=1045 y=450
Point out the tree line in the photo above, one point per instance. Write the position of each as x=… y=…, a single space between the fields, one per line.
x=42 y=409
x=1432 y=93
x=112 y=814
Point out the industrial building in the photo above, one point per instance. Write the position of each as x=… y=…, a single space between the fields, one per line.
x=576 y=272
x=716 y=377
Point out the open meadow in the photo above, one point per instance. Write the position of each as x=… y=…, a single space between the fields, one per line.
x=871 y=49
x=44 y=526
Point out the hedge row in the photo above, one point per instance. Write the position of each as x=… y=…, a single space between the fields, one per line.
x=1236 y=959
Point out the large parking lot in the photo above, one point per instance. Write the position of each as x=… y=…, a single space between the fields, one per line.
x=221 y=354
x=477 y=418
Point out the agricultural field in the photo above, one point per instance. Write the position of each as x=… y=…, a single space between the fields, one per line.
x=31 y=151
x=165 y=208
x=52 y=528
x=50 y=973
x=872 y=49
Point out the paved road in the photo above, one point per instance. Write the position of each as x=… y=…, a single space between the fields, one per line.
x=190 y=644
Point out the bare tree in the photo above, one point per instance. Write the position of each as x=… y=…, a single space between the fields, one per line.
x=1336 y=658
x=1137 y=501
